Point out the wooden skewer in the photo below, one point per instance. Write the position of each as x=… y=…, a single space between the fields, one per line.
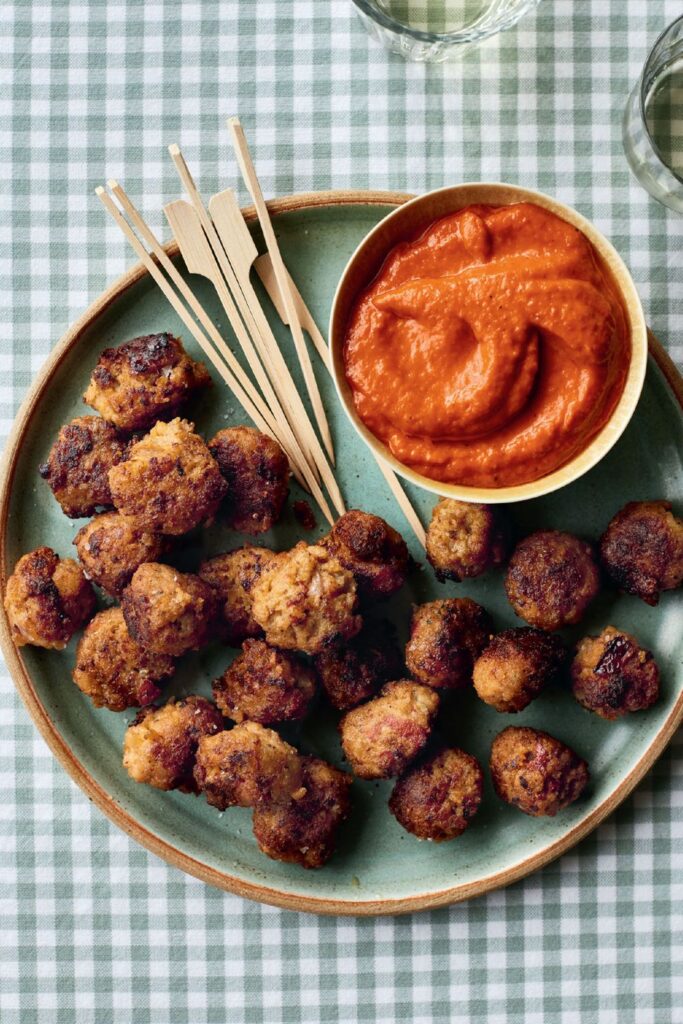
x=247 y=396
x=251 y=181
x=265 y=271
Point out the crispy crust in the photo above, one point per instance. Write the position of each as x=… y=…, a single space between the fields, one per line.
x=372 y=550
x=256 y=471
x=642 y=549
x=535 y=772
x=167 y=611
x=464 y=539
x=515 y=666
x=264 y=685
x=551 y=579
x=47 y=599
x=613 y=675
x=355 y=670
x=78 y=464
x=144 y=380
x=437 y=799
x=445 y=638
x=234 y=576
x=111 y=547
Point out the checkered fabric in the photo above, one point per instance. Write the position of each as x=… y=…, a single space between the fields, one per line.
x=94 y=929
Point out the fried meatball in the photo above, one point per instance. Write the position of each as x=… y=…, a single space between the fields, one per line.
x=464 y=539
x=77 y=467
x=515 y=667
x=115 y=671
x=612 y=674
x=256 y=471
x=642 y=549
x=382 y=737
x=372 y=550
x=111 y=547
x=304 y=831
x=247 y=766
x=535 y=772
x=147 y=379
x=353 y=671
x=170 y=482
x=264 y=685
x=551 y=579
x=437 y=799
x=233 y=576
x=167 y=611
x=47 y=598
x=445 y=638
x=306 y=601
x=160 y=744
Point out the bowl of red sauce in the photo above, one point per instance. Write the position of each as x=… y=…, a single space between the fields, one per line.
x=488 y=342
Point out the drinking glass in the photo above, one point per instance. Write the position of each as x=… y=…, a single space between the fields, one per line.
x=434 y=30
x=653 y=120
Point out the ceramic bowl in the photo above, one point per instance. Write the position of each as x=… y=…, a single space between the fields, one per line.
x=409 y=221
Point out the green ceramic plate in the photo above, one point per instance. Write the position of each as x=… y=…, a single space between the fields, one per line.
x=379 y=868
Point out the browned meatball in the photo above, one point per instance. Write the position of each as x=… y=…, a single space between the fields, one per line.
x=160 y=745
x=437 y=799
x=170 y=482
x=551 y=579
x=111 y=547
x=353 y=671
x=264 y=685
x=304 y=831
x=167 y=611
x=465 y=539
x=115 y=671
x=147 y=379
x=642 y=549
x=613 y=675
x=233 y=576
x=246 y=766
x=306 y=601
x=47 y=598
x=77 y=467
x=382 y=737
x=535 y=772
x=256 y=471
x=445 y=638
x=516 y=666
x=372 y=550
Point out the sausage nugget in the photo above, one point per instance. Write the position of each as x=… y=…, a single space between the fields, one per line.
x=382 y=737
x=516 y=666
x=233 y=576
x=47 y=598
x=170 y=482
x=372 y=550
x=256 y=471
x=353 y=671
x=111 y=547
x=167 y=611
x=160 y=744
x=551 y=579
x=264 y=685
x=613 y=675
x=115 y=671
x=642 y=549
x=464 y=539
x=147 y=379
x=445 y=638
x=246 y=766
x=535 y=772
x=77 y=467
x=307 y=600
x=304 y=831
x=437 y=799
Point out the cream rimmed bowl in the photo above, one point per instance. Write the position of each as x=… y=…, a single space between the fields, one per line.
x=409 y=221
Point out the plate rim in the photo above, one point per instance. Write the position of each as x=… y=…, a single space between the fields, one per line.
x=121 y=817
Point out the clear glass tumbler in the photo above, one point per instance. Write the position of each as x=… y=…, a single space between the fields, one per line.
x=653 y=120
x=434 y=30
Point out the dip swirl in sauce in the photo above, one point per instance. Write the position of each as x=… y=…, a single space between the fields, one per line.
x=490 y=351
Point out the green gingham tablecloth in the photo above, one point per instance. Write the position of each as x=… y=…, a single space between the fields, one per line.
x=93 y=928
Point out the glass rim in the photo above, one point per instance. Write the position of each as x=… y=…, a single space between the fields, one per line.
x=464 y=35
x=641 y=89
